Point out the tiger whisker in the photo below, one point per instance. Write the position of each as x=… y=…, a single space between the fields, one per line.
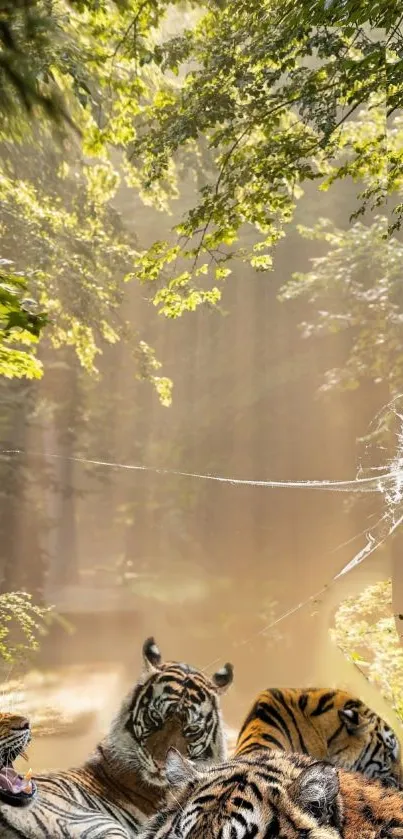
x=177 y=802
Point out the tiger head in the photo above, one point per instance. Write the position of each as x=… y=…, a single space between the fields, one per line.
x=266 y=796
x=364 y=742
x=172 y=704
x=15 y=734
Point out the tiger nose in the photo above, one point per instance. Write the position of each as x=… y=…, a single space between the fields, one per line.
x=20 y=724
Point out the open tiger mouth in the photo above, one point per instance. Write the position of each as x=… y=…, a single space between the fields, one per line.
x=16 y=789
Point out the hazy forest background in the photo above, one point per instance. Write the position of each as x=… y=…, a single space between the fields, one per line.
x=260 y=340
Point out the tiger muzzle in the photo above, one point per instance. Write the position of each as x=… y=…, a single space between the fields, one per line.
x=170 y=735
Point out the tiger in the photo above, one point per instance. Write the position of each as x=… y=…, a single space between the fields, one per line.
x=15 y=735
x=124 y=781
x=274 y=795
x=326 y=724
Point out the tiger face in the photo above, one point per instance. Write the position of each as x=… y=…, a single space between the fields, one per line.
x=15 y=734
x=171 y=705
x=276 y=795
x=370 y=746
x=329 y=725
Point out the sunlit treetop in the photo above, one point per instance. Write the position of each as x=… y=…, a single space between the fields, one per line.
x=283 y=93
x=92 y=49
x=72 y=76
x=257 y=96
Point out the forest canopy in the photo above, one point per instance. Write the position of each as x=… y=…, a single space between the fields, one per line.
x=250 y=100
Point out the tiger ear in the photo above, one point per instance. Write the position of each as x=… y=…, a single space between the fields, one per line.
x=178 y=769
x=222 y=679
x=352 y=719
x=315 y=791
x=151 y=655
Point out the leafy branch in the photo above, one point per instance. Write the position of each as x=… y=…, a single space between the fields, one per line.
x=366 y=633
x=20 y=324
x=22 y=623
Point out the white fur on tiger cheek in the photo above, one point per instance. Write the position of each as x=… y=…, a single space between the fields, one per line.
x=230 y=831
x=232 y=828
x=391 y=742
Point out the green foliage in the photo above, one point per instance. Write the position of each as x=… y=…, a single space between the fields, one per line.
x=275 y=90
x=254 y=98
x=366 y=633
x=26 y=30
x=75 y=257
x=87 y=63
x=21 y=625
x=14 y=312
x=19 y=323
x=355 y=287
x=147 y=365
x=63 y=58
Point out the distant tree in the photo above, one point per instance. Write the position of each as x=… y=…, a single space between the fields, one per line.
x=355 y=288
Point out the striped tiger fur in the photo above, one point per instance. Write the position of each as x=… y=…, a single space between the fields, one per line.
x=273 y=795
x=326 y=724
x=15 y=734
x=124 y=781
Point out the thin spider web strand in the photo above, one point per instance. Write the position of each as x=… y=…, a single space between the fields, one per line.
x=287 y=614
x=377 y=484
x=371 y=545
x=389 y=482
